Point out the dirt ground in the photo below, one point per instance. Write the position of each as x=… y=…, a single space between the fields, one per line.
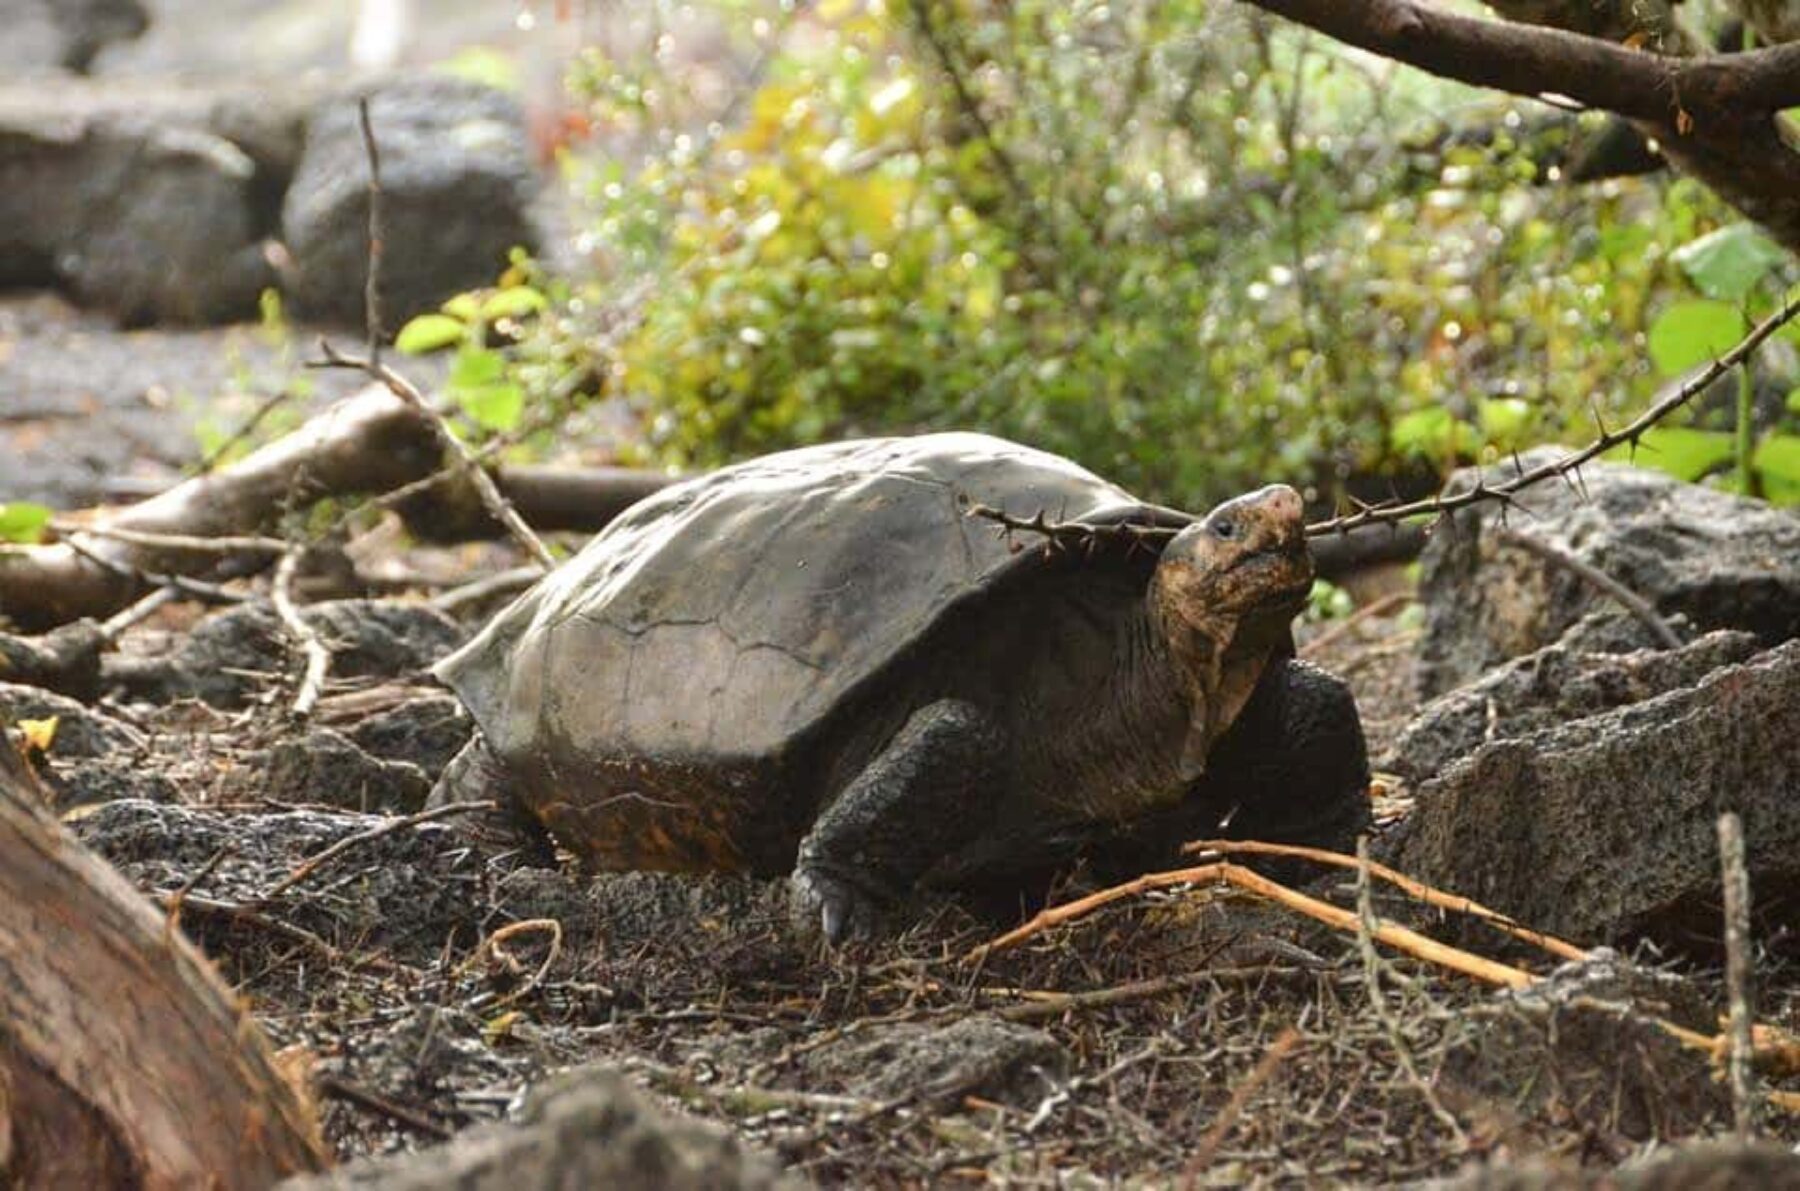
x=1194 y=1034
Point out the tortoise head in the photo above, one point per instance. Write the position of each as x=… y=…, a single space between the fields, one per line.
x=1246 y=557
x=1223 y=594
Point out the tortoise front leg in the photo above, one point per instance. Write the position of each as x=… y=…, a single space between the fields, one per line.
x=926 y=793
x=1295 y=765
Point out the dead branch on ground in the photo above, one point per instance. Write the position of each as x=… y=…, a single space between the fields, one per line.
x=1594 y=577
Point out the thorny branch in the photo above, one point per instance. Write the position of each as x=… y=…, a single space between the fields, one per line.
x=1076 y=535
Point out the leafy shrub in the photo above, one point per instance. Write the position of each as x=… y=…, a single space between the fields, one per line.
x=1185 y=244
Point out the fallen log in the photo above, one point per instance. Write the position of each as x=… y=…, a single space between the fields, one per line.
x=370 y=443
x=124 y=1060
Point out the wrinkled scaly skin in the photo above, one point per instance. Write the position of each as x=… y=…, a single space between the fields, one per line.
x=929 y=709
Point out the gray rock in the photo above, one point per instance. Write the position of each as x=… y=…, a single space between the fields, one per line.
x=1724 y=561
x=230 y=656
x=1584 y=1044
x=150 y=202
x=457 y=186
x=1555 y=685
x=1605 y=828
x=978 y=1055
x=80 y=732
x=93 y=758
x=427 y=730
x=1696 y=1166
x=323 y=766
x=403 y=892
x=585 y=1128
x=65 y=660
x=49 y=36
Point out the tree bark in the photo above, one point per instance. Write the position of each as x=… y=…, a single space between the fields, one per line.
x=1716 y=116
x=124 y=1060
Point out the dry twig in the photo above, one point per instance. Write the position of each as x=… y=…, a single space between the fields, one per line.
x=1228 y=1116
x=372 y=280
x=318 y=656
x=1394 y=935
x=492 y=946
x=1741 y=1050
x=1412 y=888
x=1628 y=599
x=1342 y=629
x=228 y=544
x=324 y=856
x=1366 y=926
x=496 y=504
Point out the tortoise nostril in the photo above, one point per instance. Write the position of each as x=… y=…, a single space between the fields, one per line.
x=1283 y=502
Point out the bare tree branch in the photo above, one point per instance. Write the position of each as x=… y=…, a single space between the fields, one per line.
x=1529 y=60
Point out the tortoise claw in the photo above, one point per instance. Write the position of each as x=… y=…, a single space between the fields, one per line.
x=837 y=908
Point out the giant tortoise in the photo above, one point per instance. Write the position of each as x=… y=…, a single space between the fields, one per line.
x=817 y=662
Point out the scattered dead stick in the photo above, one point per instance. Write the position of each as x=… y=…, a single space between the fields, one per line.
x=1367 y=924
x=476 y=590
x=1367 y=612
x=227 y=544
x=1049 y=1104
x=1400 y=938
x=324 y=856
x=312 y=647
x=1055 y=1004
x=1222 y=1125
x=377 y=233
x=492 y=946
x=1740 y=1048
x=1415 y=889
x=394 y=1111
x=238 y=912
x=1628 y=599
x=1075 y=534
x=497 y=505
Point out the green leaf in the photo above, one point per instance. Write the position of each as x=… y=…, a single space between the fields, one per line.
x=476 y=366
x=1777 y=461
x=429 y=333
x=23 y=522
x=1504 y=420
x=495 y=407
x=1693 y=332
x=1793 y=401
x=1679 y=451
x=1728 y=264
x=465 y=307
x=515 y=301
x=1434 y=432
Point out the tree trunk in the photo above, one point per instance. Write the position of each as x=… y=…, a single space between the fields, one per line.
x=124 y=1060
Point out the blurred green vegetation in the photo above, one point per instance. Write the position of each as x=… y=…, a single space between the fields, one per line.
x=1181 y=242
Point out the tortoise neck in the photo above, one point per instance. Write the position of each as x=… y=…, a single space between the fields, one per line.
x=1126 y=758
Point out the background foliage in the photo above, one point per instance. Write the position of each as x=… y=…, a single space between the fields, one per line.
x=1183 y=243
